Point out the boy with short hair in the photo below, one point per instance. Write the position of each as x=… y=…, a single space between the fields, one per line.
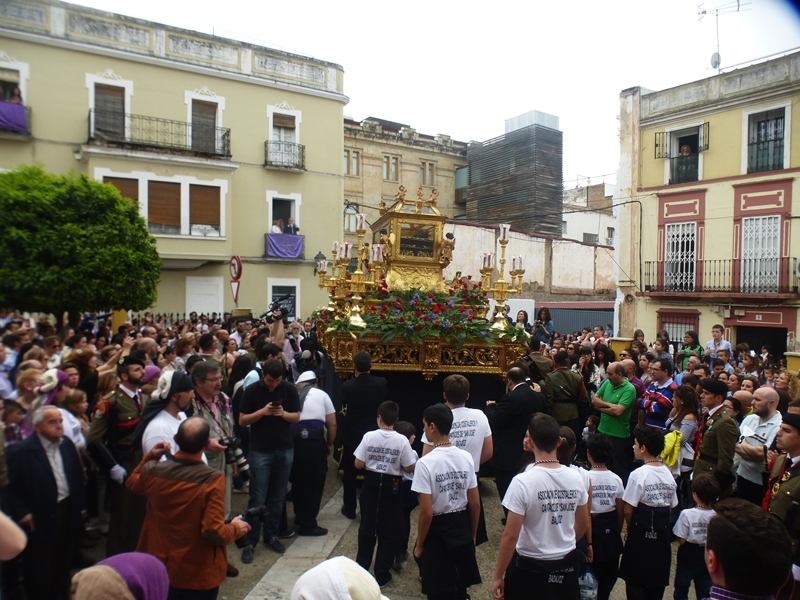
x=12 y=417
x=448 y=514
x=725 y=355
x=591 y=427
x=385 y=455
x=691 y=530
x=717 y=343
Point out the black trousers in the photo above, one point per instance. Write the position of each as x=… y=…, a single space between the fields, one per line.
x=46 y=562
x=606 y=573
x=747 y=490
x=306 y=498
x=521 y=584
x=502 y=479
x=639 y=592
x=384 y=558
x=349 y=479
x=620 y=463
x=182 y=594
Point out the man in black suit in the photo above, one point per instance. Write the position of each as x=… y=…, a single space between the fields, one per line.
x=509 y=419
x=361 y=397
x=46 y=497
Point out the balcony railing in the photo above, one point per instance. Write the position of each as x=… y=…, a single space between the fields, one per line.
x=742 y=276
x=286 y=155
x=765 y=156
x=683 y=168
x=15 y=118
x=151 y=132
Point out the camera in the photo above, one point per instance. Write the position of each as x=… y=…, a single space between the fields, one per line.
x=234 y=455
x=290 y=336
x=537 y=322
x=249 y=515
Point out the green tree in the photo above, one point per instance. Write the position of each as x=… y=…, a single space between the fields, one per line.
x=72 y=244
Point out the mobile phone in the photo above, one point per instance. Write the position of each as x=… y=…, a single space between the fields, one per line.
x=277 y=403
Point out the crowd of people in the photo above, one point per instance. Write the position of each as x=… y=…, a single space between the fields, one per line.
x=147 y=432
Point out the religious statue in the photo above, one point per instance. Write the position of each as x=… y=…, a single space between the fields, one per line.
x=386 y=241
x=401 y=194
x=382 y=207
x=363 y=256
x=434 y=197
x=448 y=243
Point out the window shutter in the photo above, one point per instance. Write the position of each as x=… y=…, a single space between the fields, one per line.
x=704 y=137
x=285 y=121
x=129 y=188
x=9 y=75
x=662 y=145
x=204 y=123
x=204 y=205
x=109 y=104
x=164 y=203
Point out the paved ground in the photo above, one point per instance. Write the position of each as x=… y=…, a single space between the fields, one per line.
x=271 y=576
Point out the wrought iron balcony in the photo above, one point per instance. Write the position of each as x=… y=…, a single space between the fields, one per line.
x=683 y=168
x=139 y=131
x=742 y=276
x=285 y=155
x=765 y=156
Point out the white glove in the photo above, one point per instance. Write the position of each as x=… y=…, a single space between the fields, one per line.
x=796 y=572
x=118 y=474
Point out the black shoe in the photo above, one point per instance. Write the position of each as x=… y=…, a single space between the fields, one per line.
x=313 y=532
x=285 y=535
x=384 y=581
x=276 y=545
x=398 y=563
x=503 y=520
x=247 y=555
x=350 y=514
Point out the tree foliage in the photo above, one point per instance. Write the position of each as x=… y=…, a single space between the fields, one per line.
x=69 y=243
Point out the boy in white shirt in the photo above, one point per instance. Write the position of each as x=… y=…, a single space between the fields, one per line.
x=546 y=515
x=385 y=455
x=470 y=432
x=448 y=512
x=691 y=531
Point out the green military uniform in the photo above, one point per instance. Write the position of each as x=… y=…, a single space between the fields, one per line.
x=783 y=498
x=566 y=396
x=717 y=448
x=114 y=425
x=541 y=365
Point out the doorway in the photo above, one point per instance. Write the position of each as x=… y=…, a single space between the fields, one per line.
x=755 y=337
x=282 y=209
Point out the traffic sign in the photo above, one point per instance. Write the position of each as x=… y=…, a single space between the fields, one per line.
x=235 y=289
x=236 y=267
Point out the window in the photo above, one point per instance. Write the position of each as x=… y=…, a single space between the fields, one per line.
x=204 y=210
x=426 y=170
x=760 y=266
x=591 y=238
x=204 y=126
x=351 y=166
x=391 y=168
x=286 y=297
x=128 y=188
x=109 y=104
x=677 y=321
x=765 y=141
x=350 y=218
x=679 y=257
x=9 y=86
x=683 y=148
x=164 y=207
x=610 y=236
x=563 y=228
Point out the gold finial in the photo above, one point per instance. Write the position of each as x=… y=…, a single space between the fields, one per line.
x=420 y=193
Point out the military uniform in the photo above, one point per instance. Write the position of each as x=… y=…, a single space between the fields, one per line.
x=783 y=501
x=567 y=398
x=718 y=436
x=113 y=426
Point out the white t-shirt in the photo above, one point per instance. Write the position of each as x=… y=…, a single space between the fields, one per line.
x=72 y=429
x=385 y=451
x=651 y=486
x=757 y=434
x=470 y=428
x=317 y=406
x=163 y=428
x=446 y=473
x=547 y=499
x=584 y=475
x=692 y=525
x=606 y=488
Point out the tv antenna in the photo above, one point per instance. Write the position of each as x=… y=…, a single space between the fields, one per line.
x=734 y=6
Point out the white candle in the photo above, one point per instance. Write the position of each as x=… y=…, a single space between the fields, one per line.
x=336 y=248
x=513 y=263
x=504 y=231
x=485 y=260
x=491 y=261
x=361 y=220
x=323 y=266
x=340 y=251
x=519 y=263
x=379 y=253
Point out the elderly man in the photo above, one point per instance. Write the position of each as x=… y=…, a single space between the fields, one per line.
x=691 y=364
x=185 y=524
x=757 y=433
x=615 y=400
x=46 y=497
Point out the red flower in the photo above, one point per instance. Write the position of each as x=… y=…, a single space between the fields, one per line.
x=402 y=319
x=450 y=328
x=417 y=314
x=480 y=283
x=424 y=317
x=469 y=318
x=469 y=277
x=436 y=310
x=399 y=299
x=451 y=291
x=459 y=326
x=419 y=328
x=383 y=316
x=430 y=294
x=436 y=324
x=398 y=305
x=463 y=309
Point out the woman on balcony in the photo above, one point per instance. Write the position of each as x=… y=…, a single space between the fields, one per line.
x=276 y=227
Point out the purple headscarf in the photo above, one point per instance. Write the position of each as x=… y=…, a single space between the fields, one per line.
x=145 y=575
x=151 y=372
x=63 y=381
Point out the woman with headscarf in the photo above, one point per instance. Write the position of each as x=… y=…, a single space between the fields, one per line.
x=129 y=576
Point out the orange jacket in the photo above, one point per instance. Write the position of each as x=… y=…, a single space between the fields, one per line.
x=185 y=522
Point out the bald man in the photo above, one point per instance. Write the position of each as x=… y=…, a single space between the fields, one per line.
x=757 y=431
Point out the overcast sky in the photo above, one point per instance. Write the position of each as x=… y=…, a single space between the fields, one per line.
x=462 y=68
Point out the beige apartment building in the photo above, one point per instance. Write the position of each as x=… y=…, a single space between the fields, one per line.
x=708 y=172
x=380 y=156
x=215 y=140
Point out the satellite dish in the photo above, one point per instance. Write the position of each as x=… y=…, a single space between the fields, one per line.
x=715 y=60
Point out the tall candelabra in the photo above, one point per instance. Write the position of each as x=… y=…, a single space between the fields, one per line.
x=501 y=289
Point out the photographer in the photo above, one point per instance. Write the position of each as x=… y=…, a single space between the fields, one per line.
x=185 y=522
x=277 y=320
x=543 y=326
x=291 y=345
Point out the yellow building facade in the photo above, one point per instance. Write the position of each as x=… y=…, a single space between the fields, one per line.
x=379 y=156
x=709 y=230
x=214 y=139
